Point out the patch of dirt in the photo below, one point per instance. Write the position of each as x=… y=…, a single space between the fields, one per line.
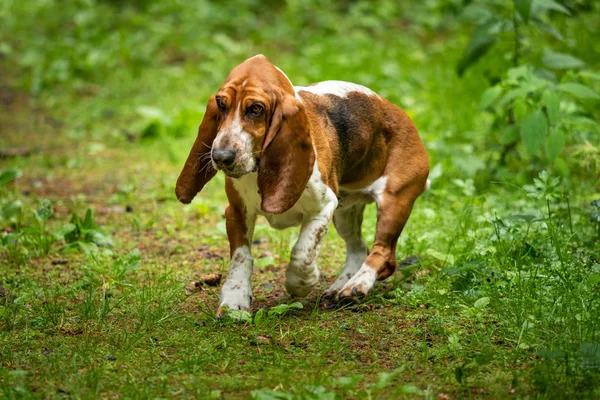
x=24 y=124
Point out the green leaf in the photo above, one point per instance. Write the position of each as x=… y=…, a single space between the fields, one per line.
x=560 y=166
x=555 y=143
x=88 y=221
x=297 y=305
x=578 y=90
x=521 y=110
x=489 y=96
x=551 y=103
x=509 y=134
x=533 y=131
x=477 y=48
x=88 y=248
x=580 y=121
x=540 y=6
x=44 y=211
x=520 y=92
x=518 y=73
x=282 y=309
x=549 y=29
x=268 y=394
x=590 y=75
x=65 y=232
x=482 y=303
x=523 y=8
x=11 y=211
x=96 y=236
x=260 y=317
x=240 y=315
x=8 y=176
x=458 y=374
x=561 y=61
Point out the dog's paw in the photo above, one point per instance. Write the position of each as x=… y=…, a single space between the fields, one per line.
x=298 y=290
x=300 y=282
x=234 y=300
x=329 y=299
x=359 y=285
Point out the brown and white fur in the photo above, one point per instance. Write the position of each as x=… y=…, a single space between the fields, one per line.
x=304 y=156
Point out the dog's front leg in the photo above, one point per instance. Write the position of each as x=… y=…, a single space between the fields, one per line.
x=236 y=293
x=302 y=273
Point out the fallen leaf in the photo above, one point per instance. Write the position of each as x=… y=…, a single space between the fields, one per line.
x=208 y=280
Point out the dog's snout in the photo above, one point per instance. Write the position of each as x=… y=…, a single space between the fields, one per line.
x=223 y=157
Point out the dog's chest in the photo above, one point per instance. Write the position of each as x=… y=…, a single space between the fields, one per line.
x=313 y=199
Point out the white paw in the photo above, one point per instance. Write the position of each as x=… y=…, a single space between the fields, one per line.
x=300 y=281
x=336 y=286
x=360 y=284
x=235 y=296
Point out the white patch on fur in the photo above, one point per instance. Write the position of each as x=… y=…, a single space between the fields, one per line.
x=376 y=189
x=312 y=200
x=363 y=280
x=237 y=290
x=337 y=88
x=236 y=138
x=353 y=262
x=314 y=210
x=367 y=194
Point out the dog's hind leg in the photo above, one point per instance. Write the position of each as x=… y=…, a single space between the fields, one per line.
x=393 y=210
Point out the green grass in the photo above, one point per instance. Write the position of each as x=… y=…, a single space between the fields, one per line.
x=505 y=298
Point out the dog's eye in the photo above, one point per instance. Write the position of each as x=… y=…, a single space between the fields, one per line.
x=221 y=104
x=255 y=110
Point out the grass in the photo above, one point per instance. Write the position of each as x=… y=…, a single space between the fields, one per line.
x=503 y=301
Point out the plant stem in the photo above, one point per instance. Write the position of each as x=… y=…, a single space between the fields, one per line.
x=516 y=38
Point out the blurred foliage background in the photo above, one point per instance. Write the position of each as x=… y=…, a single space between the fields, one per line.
x=500 y=84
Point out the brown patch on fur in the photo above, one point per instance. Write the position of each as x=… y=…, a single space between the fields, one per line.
x=235 y=219
x=287 y=158
x=198 y=170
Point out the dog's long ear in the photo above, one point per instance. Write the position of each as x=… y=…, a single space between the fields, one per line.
x=287 y=157
x=198 y=169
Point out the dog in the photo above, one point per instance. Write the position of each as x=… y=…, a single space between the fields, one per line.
x=304 y=156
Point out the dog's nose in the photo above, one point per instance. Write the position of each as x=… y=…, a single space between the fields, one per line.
x=223 y=157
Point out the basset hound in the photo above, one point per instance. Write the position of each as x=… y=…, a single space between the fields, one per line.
x=304 y=156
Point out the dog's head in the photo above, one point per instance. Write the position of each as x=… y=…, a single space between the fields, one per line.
x=253 y=123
